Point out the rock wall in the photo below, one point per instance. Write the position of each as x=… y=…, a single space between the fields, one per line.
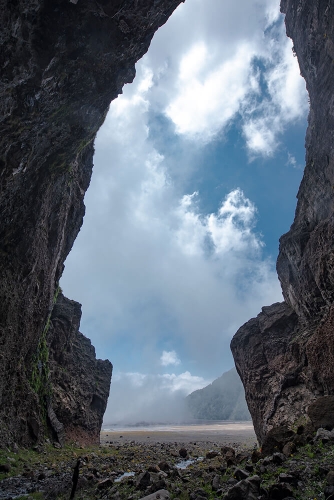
x=80 y=382
x=62 y=62
x=285 y=355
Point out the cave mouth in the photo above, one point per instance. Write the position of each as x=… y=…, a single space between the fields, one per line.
x=196 y=171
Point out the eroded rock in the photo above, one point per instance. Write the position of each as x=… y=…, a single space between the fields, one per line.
x=285 y=355
x=62 y=63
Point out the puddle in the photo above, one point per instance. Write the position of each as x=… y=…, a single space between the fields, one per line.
x=126 y=474
x=185 y=463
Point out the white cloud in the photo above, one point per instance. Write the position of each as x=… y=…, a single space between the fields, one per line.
x=286 y=102
x=184 y=382
x=231 y=229
x=292 y=161
x=208 y=97
x=154 y=259
x=138 y=397
x=217 y=81
x=169 y=358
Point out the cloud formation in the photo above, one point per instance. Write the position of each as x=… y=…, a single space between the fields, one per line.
x=154 y=271
x=138 y=398
x=238 y=68
x=159 y=268
x=169 y=358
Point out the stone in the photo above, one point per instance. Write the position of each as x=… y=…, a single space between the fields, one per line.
x=153 y=468
x=280 y=491
x=279 y=458
x=198 y=494
x=321 y=412
x=158 y=495
x=164 y=466
x=289 y=448
x=183 y=453
x=227 y=450
x=105 y=483
x=241 y=474
x=143 y=480
x=229 y=455
x=5 y=468
x=215 y=484
x=157 y=485
x=287 y=478
x=231 y=481
x=324 y=436
x=241 y=457
x=247 y=489
x=211 y=454
x=329 y=492
x=256 y=456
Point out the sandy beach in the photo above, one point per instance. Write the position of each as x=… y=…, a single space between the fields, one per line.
x=241 y=433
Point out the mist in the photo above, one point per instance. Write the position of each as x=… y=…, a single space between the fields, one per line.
x=150 y=399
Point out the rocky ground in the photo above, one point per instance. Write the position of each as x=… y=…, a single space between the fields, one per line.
x=195 y=471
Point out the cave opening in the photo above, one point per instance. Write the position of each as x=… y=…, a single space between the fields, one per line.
x=196 y=171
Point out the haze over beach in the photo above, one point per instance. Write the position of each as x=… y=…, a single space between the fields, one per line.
x=216 y=432
x=196 y=170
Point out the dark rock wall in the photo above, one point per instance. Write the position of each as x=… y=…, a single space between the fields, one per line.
x=61 y=65
x=285 y=356
x=80 y=383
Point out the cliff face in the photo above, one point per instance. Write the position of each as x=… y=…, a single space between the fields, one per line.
x=80 y=382
x=62 y=62
x=285 y=355
x=224 y=399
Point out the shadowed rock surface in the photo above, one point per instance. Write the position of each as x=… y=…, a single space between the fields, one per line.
x=62 y=63
x=285 y=356
x=80 y=382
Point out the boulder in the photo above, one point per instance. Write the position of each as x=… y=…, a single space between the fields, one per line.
x=321 y=412
x=280 y=491
x=157 y=495
x=241 y=474
x=215 y=484
x=247 y=489
x=143 y=480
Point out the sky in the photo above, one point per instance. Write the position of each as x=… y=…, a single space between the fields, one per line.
x=196 y=171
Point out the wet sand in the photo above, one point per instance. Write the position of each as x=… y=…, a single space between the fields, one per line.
x=225 y=433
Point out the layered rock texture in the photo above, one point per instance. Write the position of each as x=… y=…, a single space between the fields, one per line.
x=80 y=382
x=62 y=62
x=285 y=356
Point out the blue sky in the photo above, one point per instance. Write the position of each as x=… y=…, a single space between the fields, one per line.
x=195 y=178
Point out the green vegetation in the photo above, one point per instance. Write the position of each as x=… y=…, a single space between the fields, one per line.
x=40 y=374
x=103 y=463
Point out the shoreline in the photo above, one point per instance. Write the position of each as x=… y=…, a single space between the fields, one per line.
x=241 y=433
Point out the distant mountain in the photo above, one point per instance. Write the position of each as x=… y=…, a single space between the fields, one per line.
x=224 y=399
